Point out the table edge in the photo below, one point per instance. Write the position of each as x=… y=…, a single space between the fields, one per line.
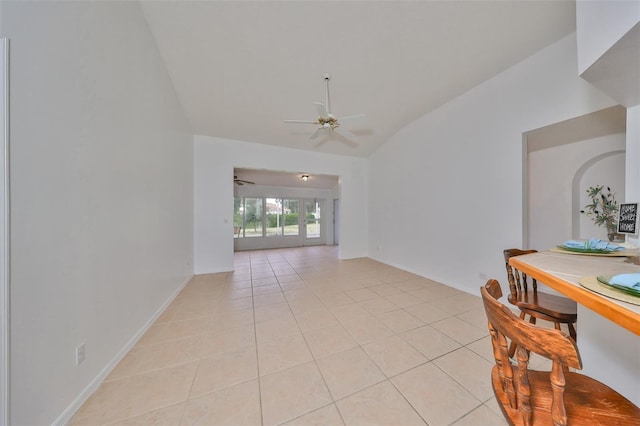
x=596 y=302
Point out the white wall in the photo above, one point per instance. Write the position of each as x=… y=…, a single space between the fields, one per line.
x=215 y=159
x=283 y=192
x=102 y=201
x=551 y=212
x=4 y=233
x=446 y=191
x=632 y=169
x=600 y=24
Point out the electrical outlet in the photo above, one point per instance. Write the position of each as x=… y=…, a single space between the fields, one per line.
x=80 y=354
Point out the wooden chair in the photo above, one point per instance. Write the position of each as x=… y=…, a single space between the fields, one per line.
x=523 y=293
x=557 y=397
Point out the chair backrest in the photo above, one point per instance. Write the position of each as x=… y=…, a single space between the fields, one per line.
x=518 y=281
x=549 y=343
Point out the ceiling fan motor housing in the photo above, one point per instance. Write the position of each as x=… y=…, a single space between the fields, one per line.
x=327 y=121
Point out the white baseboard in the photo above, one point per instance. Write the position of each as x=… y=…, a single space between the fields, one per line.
x=66 y=415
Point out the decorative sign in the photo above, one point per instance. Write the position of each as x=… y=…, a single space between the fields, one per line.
x=628 y=218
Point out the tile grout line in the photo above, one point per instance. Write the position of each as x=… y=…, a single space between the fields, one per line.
x=359 y=345
x=313 y=357
x=255 y=338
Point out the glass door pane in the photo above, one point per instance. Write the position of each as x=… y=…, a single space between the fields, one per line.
x=291 y=211
x=238 y=214
x=312 y=218
x=274 y=216
x=253 y=217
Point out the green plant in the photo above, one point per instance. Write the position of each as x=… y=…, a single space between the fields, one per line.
x=289 y=219
x=603 y=209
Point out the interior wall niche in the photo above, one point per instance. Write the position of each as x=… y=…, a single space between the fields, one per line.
x=608 y=170
x=560 y=160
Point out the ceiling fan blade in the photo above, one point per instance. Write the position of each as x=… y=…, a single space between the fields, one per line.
x=241 y=181
x=321 y=142
x=322 y=110
x=349 y=117
x=317 y=133
x=301 y=121
x=345 y=133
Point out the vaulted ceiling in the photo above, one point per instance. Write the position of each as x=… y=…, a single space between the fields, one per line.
x=242 y=67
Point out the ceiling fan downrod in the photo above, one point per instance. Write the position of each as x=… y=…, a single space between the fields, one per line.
x=327 y=77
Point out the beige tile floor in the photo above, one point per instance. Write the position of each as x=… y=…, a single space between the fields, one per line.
x=298 y=337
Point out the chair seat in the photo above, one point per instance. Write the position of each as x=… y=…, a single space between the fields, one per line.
x=587 y=401
x=557 y=308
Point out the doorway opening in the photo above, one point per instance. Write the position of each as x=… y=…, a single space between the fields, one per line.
x=559 y=162
x=281 y=209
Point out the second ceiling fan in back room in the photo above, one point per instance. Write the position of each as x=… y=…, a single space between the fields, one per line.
x=241 y=182
x=327 y=121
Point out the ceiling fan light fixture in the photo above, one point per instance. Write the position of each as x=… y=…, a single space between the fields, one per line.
x=327 y=121
x=304 y=177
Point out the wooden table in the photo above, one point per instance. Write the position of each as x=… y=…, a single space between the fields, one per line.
x=561 y=271
x=608 y=329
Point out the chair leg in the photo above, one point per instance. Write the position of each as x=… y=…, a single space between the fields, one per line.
x=572 y=332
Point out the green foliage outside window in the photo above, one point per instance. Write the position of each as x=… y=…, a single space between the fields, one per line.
x=289 y=219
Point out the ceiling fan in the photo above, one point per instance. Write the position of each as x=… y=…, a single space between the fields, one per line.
x=328 y=122
x=241 y=182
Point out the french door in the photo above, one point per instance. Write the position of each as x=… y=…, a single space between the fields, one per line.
x=260 y=223
x=312 y=223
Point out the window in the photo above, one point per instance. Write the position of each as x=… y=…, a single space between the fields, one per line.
x=238 y=217
x=282 y=217
x=275 y=217
x=312 y=218
x=252 y=217
x=291 y=212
